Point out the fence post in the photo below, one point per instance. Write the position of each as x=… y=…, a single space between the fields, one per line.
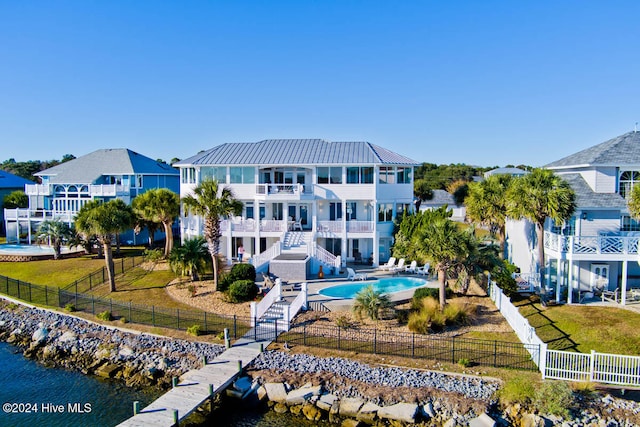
x=111 y=305
x=592 y=365
x=339 y=336
x=235 y=327
x=153 y=315
x=304 y=334
x=46 y=296
x=59 y=299
x=130 y=316
x=413 y=345
x=30 y=298
x=542 y=359
x=178 y=317
x=76 y=297
x=93 y=305
x=495 y=353
x=375 y=340
x=205 y=321
x=19 y=289
x=453 y=349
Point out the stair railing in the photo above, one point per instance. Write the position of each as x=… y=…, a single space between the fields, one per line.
x=259 y=309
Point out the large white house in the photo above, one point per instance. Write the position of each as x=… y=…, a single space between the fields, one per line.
x=104 y=175
x=322 y=198
x=596 y=250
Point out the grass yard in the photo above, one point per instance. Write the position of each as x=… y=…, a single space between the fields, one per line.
x=584 y=328
x=60 y=272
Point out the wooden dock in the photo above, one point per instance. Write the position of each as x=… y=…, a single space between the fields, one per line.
x=194 y=388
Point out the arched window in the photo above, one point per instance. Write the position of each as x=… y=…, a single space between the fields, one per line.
x=626 y=182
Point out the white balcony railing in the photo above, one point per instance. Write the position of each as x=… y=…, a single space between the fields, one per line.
x=38 y=215
x=278 y=190
x=591 y=244
x=359 y=226
x=37 y=189
x=332 y=226
x=97 y=190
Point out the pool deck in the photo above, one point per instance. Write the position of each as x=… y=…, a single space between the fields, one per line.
x=344 y=304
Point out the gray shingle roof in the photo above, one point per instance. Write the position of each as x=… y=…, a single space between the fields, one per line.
x=440 y=197
x=296 y=152
x=619 y=151
x=587 y=198
x=9 y=180
x=111 y=161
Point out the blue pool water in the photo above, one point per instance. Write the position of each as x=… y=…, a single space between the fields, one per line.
x=386 y=285
x=10 y=249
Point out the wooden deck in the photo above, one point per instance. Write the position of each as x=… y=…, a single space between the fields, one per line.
x=193 y=389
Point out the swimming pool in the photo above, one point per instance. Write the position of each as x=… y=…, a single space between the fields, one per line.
x=385 y=285
x=11 y=249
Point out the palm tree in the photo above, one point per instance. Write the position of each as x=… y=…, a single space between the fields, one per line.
x=211 y=203
x=159 y=205
x=54 y=232
x=486 y=205
x=536 y=197
x=189 y=259
x=104 y=220
x=445 y=245
x=370 y=302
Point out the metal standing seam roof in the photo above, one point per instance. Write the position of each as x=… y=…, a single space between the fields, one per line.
x=587 y=198
x=296 y=152
x=111 y=161
x=618 y=151
x=9 y=180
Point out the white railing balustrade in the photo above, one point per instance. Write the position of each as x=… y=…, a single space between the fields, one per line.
x=258 y=260
x=591 y=244
x=273 y=225
x=37 y=189
x=359 y=226
x=283 y=189
x=300 y=303
x=331 y=226
x=259 y=309
x=325 y=256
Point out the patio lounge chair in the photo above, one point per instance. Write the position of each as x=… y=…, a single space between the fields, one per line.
x=352 y=275
x=389 y=265
x=398 y=268
x=412 y=267
x=424 y=270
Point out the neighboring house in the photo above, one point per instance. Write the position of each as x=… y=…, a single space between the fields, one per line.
x=442 y=198
x=596 y=250
x=102 y=175
x=322 y=198
x=8 y=184
x=514 y=172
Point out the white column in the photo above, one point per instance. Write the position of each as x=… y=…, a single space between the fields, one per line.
x=570 y=281
x=625 y=269
x=559 y=279
x=343 y=244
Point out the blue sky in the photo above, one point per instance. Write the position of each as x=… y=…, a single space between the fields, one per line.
x=477 y=82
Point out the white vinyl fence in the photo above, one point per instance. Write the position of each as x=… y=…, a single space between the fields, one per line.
x=563 y=365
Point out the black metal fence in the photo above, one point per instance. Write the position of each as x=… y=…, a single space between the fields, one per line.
x=499 y=354
x=208 y=323
x=98 y=277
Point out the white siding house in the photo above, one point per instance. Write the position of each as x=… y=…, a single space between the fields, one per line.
x=597 y=249
x=323 y=198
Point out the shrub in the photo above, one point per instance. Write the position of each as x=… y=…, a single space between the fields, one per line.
x=503 y=278
x=555 y=398
x=428 y=318
x=239 y=271
x=458 y=313
x=70 y=308
x=153 y=255
x=192 y=290
x=123 y=320
x=464 y=362
x=13 y=306
x=343 y=322
x=518 y=390
x=422 y=293
x=194 y=330
x=105 y=315
x=242 y=290
x=370 y=302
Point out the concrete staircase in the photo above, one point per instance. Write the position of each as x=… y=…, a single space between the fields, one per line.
x=297 y=242
x=275 y=316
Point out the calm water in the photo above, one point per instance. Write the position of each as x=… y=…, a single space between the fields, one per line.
x=32 y=385
x=385 y=285
x=95 y=402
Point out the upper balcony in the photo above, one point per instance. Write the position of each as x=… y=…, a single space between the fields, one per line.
x=590 y=247
x=285 y=191
x=99 y=190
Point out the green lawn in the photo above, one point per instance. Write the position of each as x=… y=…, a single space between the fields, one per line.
x=57 y=272
x=584 y=328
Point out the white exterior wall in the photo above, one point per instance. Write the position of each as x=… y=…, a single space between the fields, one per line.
x=521 y=245
x=606 y=180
